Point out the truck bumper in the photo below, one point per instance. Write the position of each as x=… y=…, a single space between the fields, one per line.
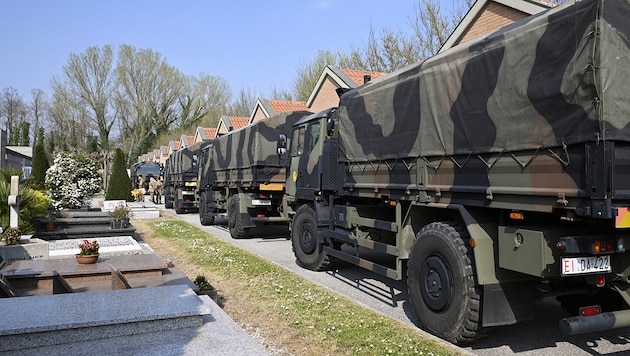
x=586 y=324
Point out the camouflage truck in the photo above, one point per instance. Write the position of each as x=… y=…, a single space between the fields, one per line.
x=242 y=175
x=180 y=179
x=491 y=175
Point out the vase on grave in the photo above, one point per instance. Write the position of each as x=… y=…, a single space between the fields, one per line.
x=87 y=259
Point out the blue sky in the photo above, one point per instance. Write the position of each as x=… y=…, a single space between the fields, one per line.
x=251 y=43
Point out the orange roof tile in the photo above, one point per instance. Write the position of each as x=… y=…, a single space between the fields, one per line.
x=238 y=121
x=357 y=75
x=287 y=106
x=210 y=132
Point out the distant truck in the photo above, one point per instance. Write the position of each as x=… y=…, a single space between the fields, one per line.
x=241 y=175
x=180 y=179
x=493 y=174
x=141 y=171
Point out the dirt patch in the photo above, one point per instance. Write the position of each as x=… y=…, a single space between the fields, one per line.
x=275 y=334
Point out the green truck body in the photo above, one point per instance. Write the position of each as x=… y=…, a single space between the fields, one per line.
x=489 y=176
x=242 y=176
x=180 y=179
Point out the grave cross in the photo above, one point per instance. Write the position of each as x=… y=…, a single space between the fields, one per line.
x=14 y=201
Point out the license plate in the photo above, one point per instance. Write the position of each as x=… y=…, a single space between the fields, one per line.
x=586 y=265
x=259 y=202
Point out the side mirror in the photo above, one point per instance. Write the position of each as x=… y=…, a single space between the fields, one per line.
x=282 y=145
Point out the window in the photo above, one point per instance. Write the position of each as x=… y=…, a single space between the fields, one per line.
x=297 y=143
x=313 y=134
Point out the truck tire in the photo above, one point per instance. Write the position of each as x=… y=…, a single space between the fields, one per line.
x=237 y=231
x=307 y=251
x=205 y=217
x=168 y=202
x=177 y=204
x=442 y=283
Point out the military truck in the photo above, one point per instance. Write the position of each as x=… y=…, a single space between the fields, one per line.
x=241 y=175
x=491 y=175
x=180 y=179
x=142 y=171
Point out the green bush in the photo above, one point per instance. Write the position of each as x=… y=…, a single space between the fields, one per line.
x=34 y=205
x=119 y=182
x=40 y=164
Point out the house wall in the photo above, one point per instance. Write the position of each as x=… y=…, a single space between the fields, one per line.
x=258 y=115
x=493 y=17
x=326 y=96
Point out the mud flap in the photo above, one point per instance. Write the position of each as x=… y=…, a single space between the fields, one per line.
x=508 y=303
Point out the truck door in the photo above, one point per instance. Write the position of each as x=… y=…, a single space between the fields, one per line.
x=306 y=146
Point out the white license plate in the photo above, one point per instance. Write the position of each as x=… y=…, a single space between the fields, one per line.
x=258 y=202
x=586 y=265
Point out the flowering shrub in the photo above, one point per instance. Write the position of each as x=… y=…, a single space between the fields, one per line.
x=88 y=248
x=72 y=180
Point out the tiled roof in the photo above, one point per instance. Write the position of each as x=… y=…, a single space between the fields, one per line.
x=287 y=106
x=238 y=121
x=210 y=132
x=357 y=75
x=190 y=140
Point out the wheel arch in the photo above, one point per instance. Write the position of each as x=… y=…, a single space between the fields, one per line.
x=480 y=224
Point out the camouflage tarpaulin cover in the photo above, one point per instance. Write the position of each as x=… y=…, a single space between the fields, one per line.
x=561 y=77
x=254 y=144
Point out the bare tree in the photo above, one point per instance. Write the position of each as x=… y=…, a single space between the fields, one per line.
x=65 y=111
x=38 y=107
x=244 y=104
x=433 y=21
x=204 y=101
x=12 y=111
x=149 y=90
x=308 y=72
x=89 y=77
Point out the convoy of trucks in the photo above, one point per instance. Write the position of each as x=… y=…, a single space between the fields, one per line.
x=489 y=176
x=180 y=179
x=241 y=174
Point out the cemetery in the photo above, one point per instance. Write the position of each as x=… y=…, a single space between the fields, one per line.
x=129 y=296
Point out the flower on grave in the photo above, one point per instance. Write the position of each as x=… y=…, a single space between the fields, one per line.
x=121 y=211
x=88 y=248
x=137 y=192
x=11 y=236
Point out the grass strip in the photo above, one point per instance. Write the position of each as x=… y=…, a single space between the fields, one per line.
x=338 y=324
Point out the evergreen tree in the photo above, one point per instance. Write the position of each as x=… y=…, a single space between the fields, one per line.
x=91 y=144
x=119 y=181
x=40 y=163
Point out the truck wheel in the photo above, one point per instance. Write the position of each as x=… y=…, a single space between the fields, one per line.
x=168 y=202
x=205 y=217
x=177 y=203
x=307 y=251
x=442 y=283
x=237 y=231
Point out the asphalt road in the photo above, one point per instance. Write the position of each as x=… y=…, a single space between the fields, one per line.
x=538 y=337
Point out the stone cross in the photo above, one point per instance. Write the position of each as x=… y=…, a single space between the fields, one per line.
x=14 y=201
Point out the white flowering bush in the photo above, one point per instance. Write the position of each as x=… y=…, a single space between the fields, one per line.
x=72 y=180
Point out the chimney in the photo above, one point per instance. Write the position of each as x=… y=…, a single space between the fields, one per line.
x=366 y=78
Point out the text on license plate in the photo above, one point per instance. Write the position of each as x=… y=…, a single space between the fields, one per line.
x=261 y=202
x=585 y=265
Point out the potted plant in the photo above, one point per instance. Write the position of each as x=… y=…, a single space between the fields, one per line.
x=11 y=236
x=120 y=216
x=88 y=252
x=205 y=288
